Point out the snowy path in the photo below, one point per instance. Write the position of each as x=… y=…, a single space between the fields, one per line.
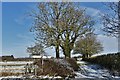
x=88 y=70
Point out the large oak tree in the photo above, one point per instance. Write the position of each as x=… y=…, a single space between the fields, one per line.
x=59 y=24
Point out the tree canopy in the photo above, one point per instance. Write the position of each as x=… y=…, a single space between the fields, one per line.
x=59 y=24
x=88 y=45
x=37 y=49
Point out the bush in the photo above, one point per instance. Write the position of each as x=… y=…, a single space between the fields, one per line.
x=110 y=61
x=55 y=68
x=73 y=63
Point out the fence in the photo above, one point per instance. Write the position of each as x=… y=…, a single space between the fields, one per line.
x=17 y=66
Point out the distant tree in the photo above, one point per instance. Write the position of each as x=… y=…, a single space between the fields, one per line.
x=111 y=19
x=36 y=49
x=59 y=24
x=88 y=45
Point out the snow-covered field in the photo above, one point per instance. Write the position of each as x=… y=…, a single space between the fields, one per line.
x=11 y=77
x=31 y=77
x=94 y=71
x=15 y=63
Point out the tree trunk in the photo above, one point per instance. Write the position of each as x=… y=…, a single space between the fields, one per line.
x=67 y=47
x=57 y=47
x=67 y=52
x=57 y=52
x=85 y=56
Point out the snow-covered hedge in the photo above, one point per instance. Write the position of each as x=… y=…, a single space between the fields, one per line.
x=110 y=61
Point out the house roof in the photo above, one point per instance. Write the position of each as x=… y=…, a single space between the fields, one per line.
x=11 y=57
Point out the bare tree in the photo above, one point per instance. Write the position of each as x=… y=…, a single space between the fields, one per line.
x=75 y=23
x=46 y=25
x=37 y=49
x=59 y=24
x=111 y=20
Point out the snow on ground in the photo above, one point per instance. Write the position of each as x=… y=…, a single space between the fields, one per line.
x=75 y=55
x=50 y=77
x=81 y=62
x=15 y=63
x=10 y=77
x=94 y=71
x=31 y=77
x=63 y=62
x=80 y=75
x=86 y=70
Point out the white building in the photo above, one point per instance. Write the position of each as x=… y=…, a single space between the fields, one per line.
x=39 y=56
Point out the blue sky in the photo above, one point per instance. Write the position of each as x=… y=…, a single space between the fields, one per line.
x=16 y=24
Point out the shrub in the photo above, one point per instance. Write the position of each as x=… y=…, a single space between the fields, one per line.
x=110 y=61
x=73 y=63
x=53 y=68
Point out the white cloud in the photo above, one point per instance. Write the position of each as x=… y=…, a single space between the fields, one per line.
x=110 y=44
x=93 y=12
